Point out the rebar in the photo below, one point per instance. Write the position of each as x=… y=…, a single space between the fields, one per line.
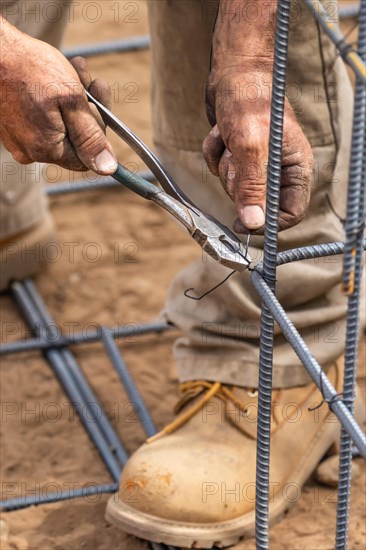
x=35 y=500
x=312 y=366
x=352 y=281
x=348 y=53
x=95 y=335
x=131 y=390
x=93 y=405
x=354 y=224
x=133 y=44
x=269 y=272
x=349 y=12
x=55 y=359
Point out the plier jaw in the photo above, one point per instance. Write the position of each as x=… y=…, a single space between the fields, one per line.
x=219 y=242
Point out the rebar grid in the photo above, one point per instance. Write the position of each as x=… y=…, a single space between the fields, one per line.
x=263 y=278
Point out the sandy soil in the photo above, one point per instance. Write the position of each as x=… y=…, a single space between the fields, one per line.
x=125 y=284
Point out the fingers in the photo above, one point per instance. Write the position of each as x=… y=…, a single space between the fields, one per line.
x=87 y=138
x=81 y=68
x=98 y=88
x=85 y=125
x=250 y=153
x=213 y=148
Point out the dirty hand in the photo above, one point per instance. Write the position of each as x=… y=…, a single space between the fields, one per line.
x=236 y=149
x=44 y=113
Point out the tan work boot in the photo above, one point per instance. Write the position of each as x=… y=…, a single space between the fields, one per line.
x=24 y=254
x=193 y=485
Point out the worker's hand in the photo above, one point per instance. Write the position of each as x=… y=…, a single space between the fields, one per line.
x=44 y=113
x=236 y=149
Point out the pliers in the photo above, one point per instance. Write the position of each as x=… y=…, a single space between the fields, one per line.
x=214 y=238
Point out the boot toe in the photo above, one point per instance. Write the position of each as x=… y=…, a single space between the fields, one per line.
x=207 y=486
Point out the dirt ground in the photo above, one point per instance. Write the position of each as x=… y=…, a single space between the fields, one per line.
x=126 y=252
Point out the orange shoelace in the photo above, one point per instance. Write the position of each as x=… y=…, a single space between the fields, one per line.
x=191 y=390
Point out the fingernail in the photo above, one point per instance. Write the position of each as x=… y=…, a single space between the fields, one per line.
x=232 y=171
x=105 y=162
x=252 y=217
x=227 y=153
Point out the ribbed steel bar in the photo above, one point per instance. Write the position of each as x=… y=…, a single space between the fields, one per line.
x=35 y=500
x=269 y=272
x=114 y=46
x=55 y=360
x=91 y=336
x=349 y=54
x=312 y=366
x=352 y=276
x=94 y=408
x=87 y=185
x=354 y=224
x=309 y=252
x=349 y=386
x=349 y=12
x=127 y=382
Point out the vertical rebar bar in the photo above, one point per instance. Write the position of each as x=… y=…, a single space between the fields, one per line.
x=355 y=219
x=352 y=280
x=127 y=382
x=312 y=366
x=34 y=321
x=92 y=404
x=269 y=273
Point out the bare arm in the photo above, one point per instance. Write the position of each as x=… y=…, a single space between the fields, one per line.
x=44 y=113
x=238 y=107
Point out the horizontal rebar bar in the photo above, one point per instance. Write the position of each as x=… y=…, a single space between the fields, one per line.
x=34 y=500
x=349 y=12
x=309 y=252
x=95 y=335
x=124 y=45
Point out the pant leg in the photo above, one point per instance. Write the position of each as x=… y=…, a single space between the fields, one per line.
x=221 y=332
x=22 y=200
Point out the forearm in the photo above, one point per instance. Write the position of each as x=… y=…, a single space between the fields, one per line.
x=244 y=34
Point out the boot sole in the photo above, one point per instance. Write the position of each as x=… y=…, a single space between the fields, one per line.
x=227 y=533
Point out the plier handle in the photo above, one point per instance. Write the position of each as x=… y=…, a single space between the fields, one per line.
x=214 y=238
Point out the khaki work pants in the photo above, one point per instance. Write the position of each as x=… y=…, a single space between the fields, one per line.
x=221 y=332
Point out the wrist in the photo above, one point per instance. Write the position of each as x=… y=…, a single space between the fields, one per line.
x=244 y=34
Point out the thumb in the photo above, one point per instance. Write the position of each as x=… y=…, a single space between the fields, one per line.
x=88 y=138
x=250 y=186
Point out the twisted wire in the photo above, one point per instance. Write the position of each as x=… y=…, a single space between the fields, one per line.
x=269 y=272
